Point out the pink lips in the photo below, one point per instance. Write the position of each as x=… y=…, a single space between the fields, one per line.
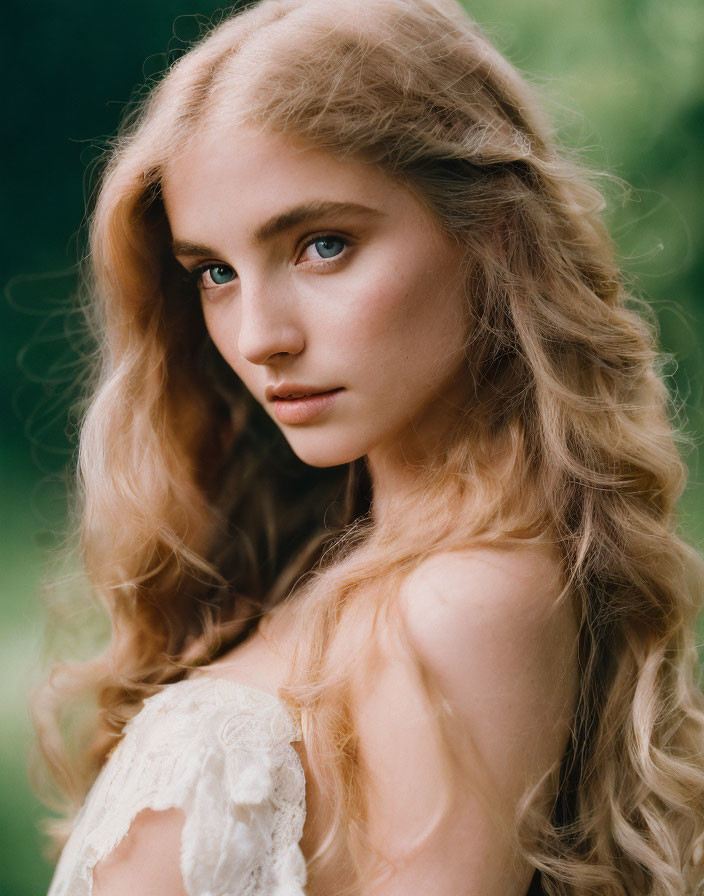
x=300 y=410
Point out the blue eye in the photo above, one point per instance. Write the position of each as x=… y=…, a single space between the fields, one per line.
x=326 y=246
x=209 y=276
x=329 y=246
x=221 y=273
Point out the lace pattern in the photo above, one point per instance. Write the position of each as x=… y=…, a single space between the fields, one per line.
x=222 y=752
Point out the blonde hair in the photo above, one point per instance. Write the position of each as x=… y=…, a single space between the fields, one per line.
x=224 y=521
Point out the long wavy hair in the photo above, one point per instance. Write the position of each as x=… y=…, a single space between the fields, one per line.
x=196 y=517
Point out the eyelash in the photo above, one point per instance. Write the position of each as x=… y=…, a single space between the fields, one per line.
x=192 y=278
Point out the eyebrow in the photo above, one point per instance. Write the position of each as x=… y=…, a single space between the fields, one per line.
x=286 y=220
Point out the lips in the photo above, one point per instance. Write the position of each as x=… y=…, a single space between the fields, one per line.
x=297 y=395
x=292 y=391
x=304 y=408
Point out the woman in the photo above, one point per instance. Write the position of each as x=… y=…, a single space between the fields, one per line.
x=378 y=488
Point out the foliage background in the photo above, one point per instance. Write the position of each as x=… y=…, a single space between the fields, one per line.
x=624 y=81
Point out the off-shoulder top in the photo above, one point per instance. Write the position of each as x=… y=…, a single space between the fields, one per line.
x=222 y=752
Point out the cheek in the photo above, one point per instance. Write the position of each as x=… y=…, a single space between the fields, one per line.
x=222 y=329
x=403 y=313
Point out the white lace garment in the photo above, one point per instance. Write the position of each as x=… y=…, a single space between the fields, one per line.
x=222 y=752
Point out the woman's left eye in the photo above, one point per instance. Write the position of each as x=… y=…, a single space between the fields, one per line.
x=327 y=246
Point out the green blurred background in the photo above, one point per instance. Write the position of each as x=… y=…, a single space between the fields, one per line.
x=624 y=81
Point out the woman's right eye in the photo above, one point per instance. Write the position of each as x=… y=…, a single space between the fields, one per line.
x=210 y=276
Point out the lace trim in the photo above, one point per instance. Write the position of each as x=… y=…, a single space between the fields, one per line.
x=223 y=753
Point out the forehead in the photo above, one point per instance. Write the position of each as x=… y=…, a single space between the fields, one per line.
x=255 y=172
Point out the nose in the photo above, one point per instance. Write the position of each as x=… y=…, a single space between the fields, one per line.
x=268 y=322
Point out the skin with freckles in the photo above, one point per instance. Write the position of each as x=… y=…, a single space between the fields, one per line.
x=366 y=298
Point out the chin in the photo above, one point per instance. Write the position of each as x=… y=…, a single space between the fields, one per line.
x=320 y=451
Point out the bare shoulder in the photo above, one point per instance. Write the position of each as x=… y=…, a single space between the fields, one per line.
x=492 y=633
x=487 y=579
x=487 y=629
x=506 y=597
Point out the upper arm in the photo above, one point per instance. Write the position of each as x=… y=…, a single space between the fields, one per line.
x=480 y=622
x=147 y=860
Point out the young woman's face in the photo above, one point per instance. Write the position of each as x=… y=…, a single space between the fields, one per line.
x=322 y=274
